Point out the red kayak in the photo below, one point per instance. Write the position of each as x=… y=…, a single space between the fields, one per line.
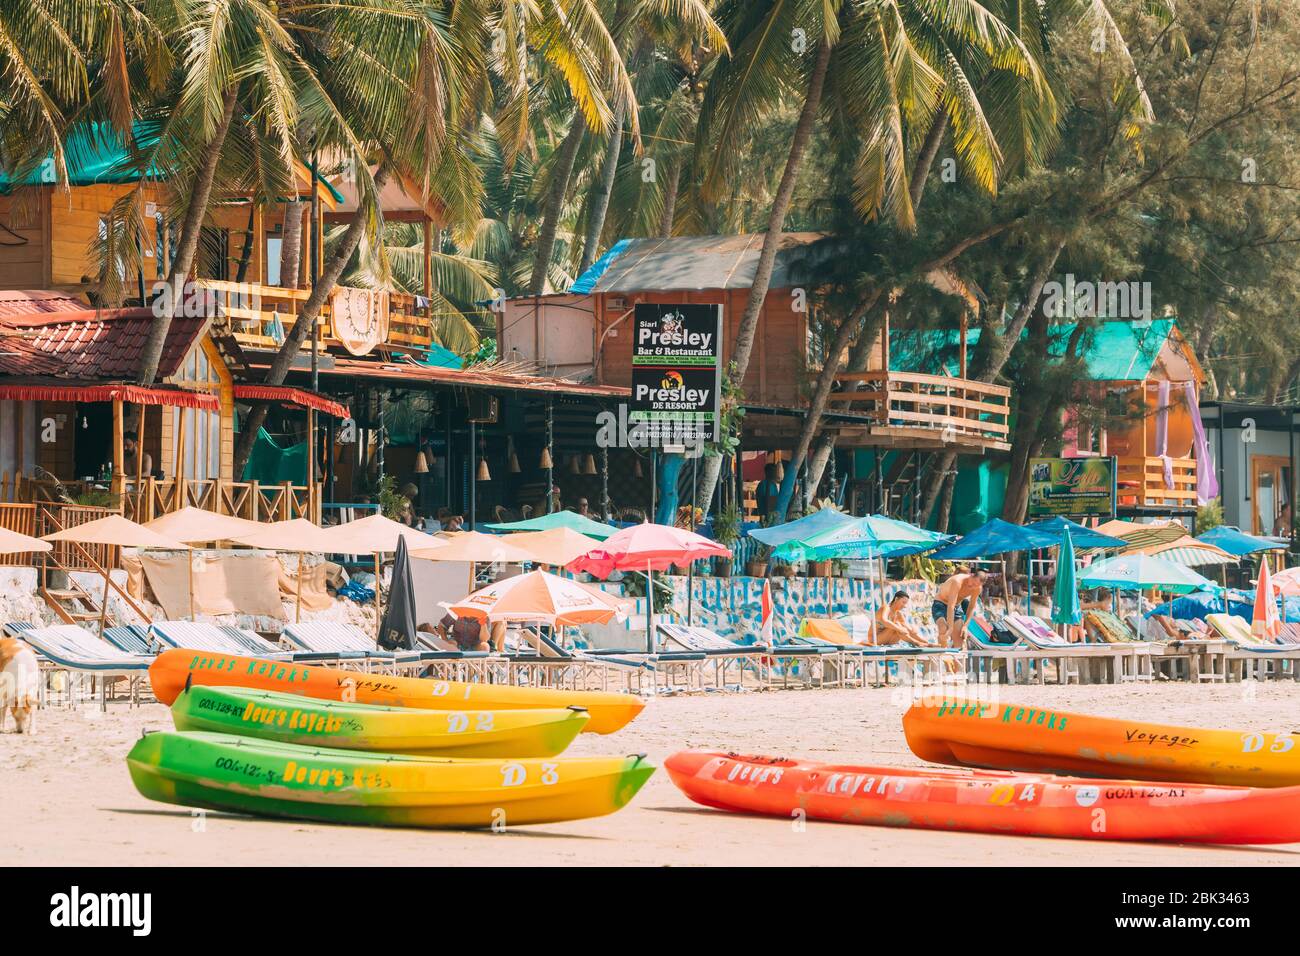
x=988 y=801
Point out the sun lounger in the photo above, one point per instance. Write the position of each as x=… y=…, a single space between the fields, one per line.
x=72 y=648
x=131 y=638
x=16 y=628
x=1251 y=657
x=340 y=641
x=201 y=636
x=682 y=642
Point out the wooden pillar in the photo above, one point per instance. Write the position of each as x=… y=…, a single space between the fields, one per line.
x=965 y=324
x=118 y=484
x=884 y=344
x=178 y=499
x=311 y=464
x=258 y=239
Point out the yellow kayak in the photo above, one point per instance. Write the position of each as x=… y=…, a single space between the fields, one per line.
x=1007 y=736
x=288 y=718
x=173 y=669
x=242 y=775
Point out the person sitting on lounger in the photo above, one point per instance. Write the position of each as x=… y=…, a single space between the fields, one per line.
x=892 y=626
x=465 y=632
x=953 y=603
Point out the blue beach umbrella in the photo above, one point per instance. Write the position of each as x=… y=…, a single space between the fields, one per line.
x=1083 y=537
x=1065 y=598
x=1235 y=541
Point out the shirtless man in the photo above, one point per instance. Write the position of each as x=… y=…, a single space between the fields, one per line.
x=953 y=603
x=892 y=626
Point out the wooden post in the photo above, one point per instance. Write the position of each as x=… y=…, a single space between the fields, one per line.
x=379 y=606
x=118 y=484
x=255 y=500
x=311 y=464
x=258 y=239
x=297 y=611
x=180 y=460
x=965 y=323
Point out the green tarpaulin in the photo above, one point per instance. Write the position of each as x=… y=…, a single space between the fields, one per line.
x=270 y=464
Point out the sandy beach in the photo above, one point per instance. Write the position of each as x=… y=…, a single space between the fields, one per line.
x=69 y=800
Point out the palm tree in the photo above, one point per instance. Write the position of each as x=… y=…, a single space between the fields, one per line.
x=894 y=67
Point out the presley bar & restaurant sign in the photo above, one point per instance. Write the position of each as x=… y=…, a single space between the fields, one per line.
x=677 y=370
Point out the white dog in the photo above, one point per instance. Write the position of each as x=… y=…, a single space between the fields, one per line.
x=20 y=682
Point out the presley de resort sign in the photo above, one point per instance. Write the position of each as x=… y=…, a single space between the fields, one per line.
x=677 y=370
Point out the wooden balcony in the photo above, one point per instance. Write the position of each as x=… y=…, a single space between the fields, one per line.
x=1140 y=482
x=263 y=316
x=907 y=409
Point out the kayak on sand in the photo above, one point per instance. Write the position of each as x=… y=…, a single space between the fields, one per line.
x=988 y=802
x=172 y=668
x=242 y=775
x=288 y=718
x=1014 y=737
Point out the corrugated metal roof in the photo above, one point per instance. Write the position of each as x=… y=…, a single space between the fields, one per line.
x=412 y=375
x=692 y=263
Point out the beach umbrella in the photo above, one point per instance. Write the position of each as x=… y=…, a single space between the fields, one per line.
x=1189 y=551
x=556 y=547
x=997 y=537
x=1265 y=623
x=1235 y=541
x=397 y=626
x=541 y=598
x=1142 y=572
x=645 y=548
x=11 y=542
x=296 y=536
x=558 y=519
x=870 y=537
x=196 y=526
x=1080 y=535
x=823 y=519
x=1065 y=597
x=474 y=547
x=1139 y=535
x=114 y=530
x=1287 y=582
x=375 y=535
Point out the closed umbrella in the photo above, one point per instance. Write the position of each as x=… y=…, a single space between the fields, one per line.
x=397 y=626
x=1065 y=597
x=297 y=535
x=1265 y=623
x=117 y=531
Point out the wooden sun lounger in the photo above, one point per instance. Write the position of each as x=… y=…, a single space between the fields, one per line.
x=1250 y=658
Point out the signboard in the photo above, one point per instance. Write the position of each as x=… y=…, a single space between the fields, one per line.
x=677 y=371
x=1072 y=487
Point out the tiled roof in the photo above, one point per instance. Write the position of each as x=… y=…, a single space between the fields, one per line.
x=86 y=345
x=27 y=301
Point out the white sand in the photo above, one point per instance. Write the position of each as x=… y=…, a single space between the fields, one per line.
x=67 y=797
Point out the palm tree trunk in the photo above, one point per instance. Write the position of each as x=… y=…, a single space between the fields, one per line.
x=817 y=464
x=992 y=359
x=291 y=243
x=604 y=188
x=748 y=327
x=925 y=158
x=305 y=322
x=669 y=211
x=555 y=197
x=183 y=262
x=246 y=253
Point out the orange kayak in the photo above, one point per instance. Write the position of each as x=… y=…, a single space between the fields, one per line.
x=988 y=802
x=1015 y=737
x=171 y=669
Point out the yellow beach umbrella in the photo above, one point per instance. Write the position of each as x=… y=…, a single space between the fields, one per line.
x=114 y=530
x=474 y=546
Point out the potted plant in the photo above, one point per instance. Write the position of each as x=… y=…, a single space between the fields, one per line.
x=756 y=566
x=726 y=531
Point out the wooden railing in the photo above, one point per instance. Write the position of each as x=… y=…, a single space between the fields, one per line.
x=54 y=516
x=22 y=519
x=263 y=315
x=152 y=497
x=956 y=409
x=1141 y=482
